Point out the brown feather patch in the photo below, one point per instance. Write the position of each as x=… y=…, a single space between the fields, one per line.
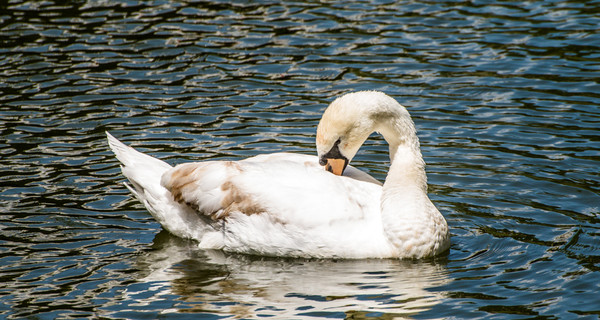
x=187 y=176
x=181 y=178
x=236 y=200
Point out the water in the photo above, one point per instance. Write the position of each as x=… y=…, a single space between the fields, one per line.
x=505 y=95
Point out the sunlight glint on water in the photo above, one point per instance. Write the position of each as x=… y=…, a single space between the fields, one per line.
x=504 y=95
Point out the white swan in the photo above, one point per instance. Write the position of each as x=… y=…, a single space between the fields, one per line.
x=286 y=204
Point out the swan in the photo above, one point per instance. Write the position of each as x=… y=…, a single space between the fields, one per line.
x=295 y=205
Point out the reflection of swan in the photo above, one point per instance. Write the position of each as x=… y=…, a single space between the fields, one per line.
x=248 y=286
x=287 y=205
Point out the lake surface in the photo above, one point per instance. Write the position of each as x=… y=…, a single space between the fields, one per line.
x=505 y=95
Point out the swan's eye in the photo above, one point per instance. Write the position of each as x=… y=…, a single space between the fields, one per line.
x=333 y=153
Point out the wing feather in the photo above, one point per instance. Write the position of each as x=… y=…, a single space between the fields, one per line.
x=286 y=188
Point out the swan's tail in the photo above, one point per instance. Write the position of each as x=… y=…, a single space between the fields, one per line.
x=144 y=173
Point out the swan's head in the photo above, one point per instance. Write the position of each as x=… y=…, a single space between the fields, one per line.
x=344 y=127
x=351 y=118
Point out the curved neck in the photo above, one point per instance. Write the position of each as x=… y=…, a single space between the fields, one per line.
x=407 y=168
x=411 y=223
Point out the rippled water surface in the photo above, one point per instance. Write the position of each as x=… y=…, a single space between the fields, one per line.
x=506 y=97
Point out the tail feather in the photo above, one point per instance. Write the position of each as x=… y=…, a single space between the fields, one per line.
x=142 y=171
x=128 y=156
x=144 y=174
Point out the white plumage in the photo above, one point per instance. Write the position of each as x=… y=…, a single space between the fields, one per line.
x=286 y=204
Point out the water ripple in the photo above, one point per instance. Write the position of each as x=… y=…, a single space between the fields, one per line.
x=505 y=97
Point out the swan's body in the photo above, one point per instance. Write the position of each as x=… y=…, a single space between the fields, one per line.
x=287 y=205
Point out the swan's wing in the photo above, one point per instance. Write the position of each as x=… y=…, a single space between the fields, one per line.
x=284 y=188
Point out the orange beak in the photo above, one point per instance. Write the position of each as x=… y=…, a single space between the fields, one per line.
x=335 y=166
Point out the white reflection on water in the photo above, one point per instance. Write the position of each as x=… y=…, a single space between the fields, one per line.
x=244 y=286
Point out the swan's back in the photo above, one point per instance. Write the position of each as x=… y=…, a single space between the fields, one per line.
x=280 y=204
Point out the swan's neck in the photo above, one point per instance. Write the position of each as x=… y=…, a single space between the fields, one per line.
x=407 y=168
x=412 y=224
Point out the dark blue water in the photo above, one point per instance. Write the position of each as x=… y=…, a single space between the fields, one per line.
x=506 y=97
